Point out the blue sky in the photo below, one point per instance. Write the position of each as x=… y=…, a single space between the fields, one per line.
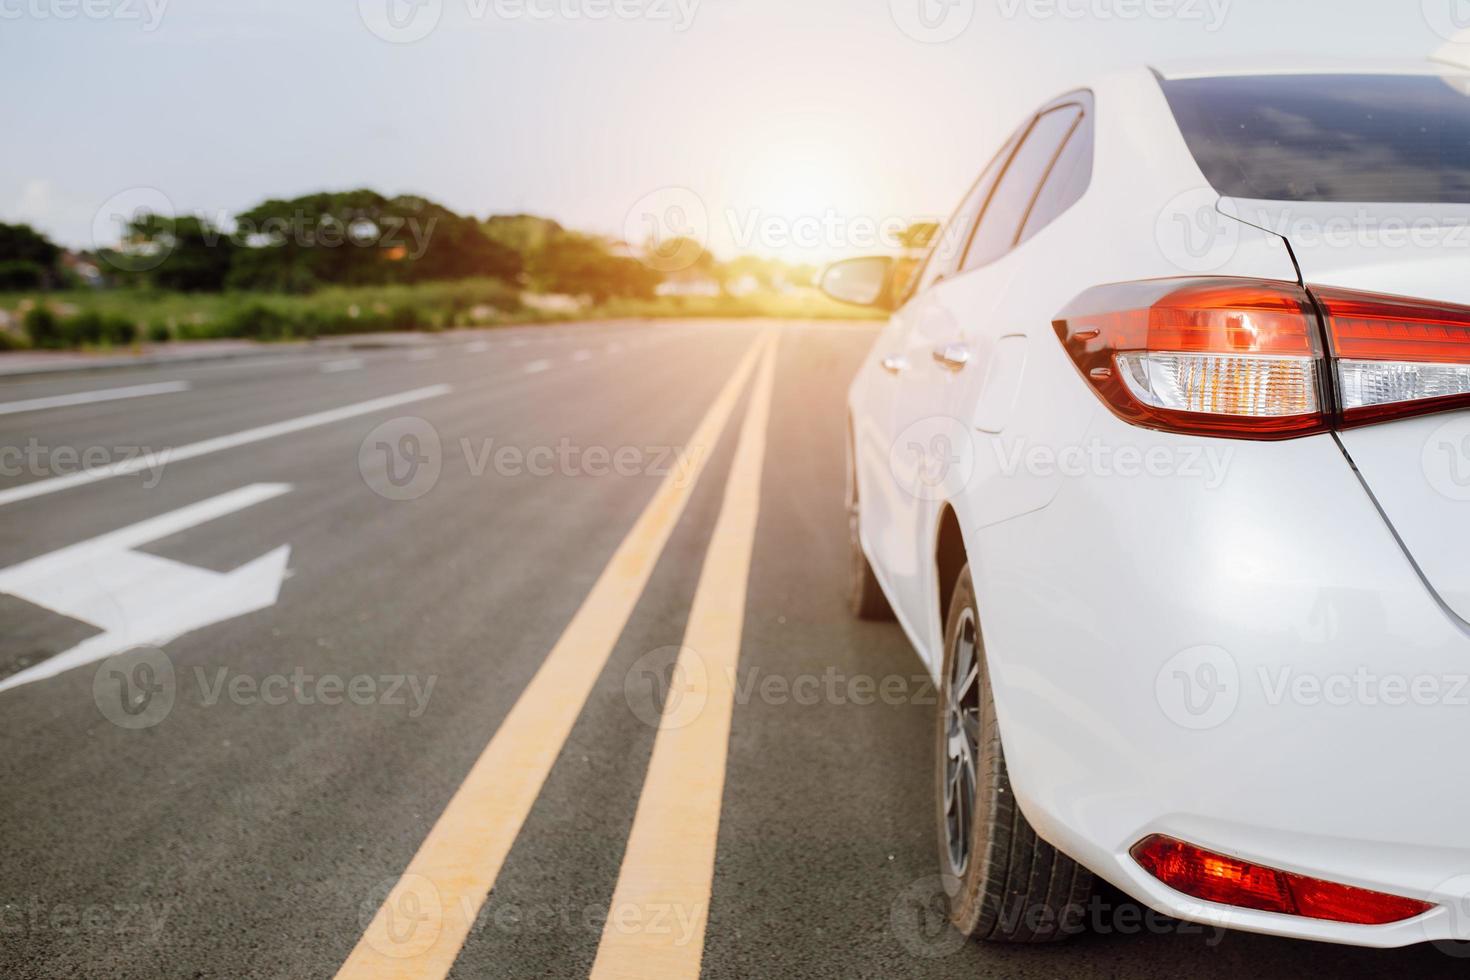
x=779 y=109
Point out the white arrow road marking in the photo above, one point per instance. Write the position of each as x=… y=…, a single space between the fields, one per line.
x=148 y=461
x=88 y=397
x=536 y=367
x=136 y=598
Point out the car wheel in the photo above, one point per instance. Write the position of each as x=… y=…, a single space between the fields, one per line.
x=864 y=595
x=1005 y=883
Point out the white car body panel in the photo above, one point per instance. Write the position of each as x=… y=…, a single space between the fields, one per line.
x=1414 y=467
x=1092 y=586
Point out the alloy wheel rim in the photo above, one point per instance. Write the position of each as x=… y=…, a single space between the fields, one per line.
x=961 y=740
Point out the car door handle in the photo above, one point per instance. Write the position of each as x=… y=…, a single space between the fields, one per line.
x=894 y=363
x=952 y=356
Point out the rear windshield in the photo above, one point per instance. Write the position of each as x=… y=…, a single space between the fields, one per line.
x=1365 y=138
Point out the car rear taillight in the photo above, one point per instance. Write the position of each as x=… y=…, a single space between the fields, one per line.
x=1245 y=358
x=1214 y=877
x=1396 y=356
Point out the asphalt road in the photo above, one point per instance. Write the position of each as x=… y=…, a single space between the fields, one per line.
x=246 y=800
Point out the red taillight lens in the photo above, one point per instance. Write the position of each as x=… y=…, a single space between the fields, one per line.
x=1216 y=356
x=1243 y=358
x=1396 y=356
x=1214 y=877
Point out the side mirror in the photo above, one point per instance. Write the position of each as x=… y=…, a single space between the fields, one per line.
x=861 y=282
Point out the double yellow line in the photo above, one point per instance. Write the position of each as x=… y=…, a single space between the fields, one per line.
x=668 y=866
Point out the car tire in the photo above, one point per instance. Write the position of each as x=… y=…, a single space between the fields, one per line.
x=865 y=596
x=1005 y=883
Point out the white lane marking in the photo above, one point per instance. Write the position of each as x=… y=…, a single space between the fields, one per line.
x=422 y=355
x=153 y=460
x=536 y=367
x=137 y=598
x=477 y=347
x=346 y=364
x=88 y=397
x=582 y=355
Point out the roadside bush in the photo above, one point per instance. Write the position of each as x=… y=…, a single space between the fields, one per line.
x=159 y=333
x=92 y=327
x=119 y=330
x=44 y=329
x=9 y=340
x=256 y=321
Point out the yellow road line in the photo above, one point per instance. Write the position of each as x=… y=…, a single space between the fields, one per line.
x=428 y=912
x=656 y=923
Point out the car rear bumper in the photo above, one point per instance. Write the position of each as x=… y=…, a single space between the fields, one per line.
x=1250 y=664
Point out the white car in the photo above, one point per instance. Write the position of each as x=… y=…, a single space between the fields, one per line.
x=1162 y=462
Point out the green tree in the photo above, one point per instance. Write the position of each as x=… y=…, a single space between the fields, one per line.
x=362 y=238
x=583 y=265
x=27 y=258
x=197 y=255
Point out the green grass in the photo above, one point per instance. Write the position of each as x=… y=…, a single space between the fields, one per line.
x=162 y=316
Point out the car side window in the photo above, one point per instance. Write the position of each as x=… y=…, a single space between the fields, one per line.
x=1066 y=183
x=1001 y=222
x=949 y=244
